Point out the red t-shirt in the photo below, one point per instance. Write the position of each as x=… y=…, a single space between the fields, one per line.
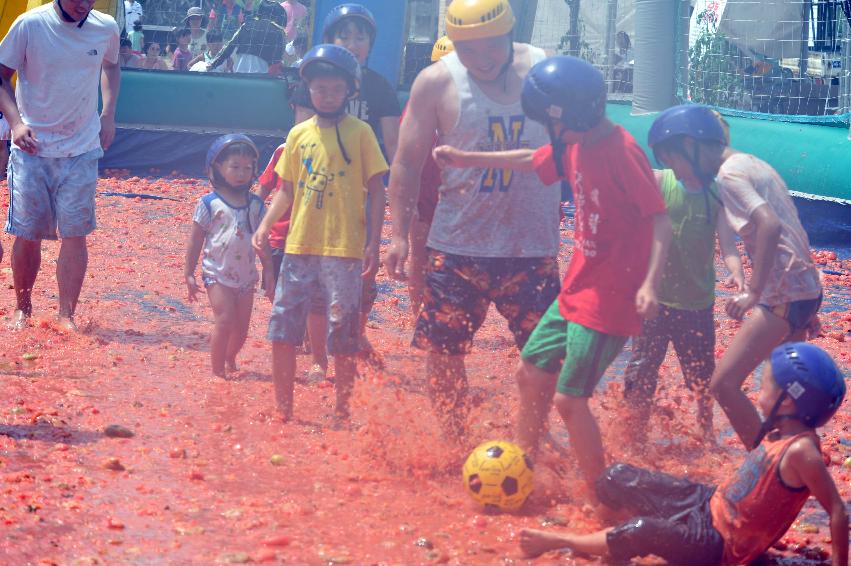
x=270 y=180
x=616 y=197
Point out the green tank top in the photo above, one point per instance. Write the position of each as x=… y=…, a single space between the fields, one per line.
x=689 y=279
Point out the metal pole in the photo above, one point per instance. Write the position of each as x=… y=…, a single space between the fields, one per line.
x=806 y=8
x=611 y=30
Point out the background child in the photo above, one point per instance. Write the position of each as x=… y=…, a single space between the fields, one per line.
x=182 y=55
x=214 y=46
x=137 y=37
x=330 y=163
x=622 y=236
x=689 y=523
x=269 y=181
x=687 y=290
x=126 y=58
x=152 y=59
x=223 y=224
x=784 y=285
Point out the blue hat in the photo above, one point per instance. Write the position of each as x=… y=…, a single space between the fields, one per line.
x=344 y=11
x=691 y=120
x=566 y=89
x=808 y=375
x=222 y=143
x=335 y=55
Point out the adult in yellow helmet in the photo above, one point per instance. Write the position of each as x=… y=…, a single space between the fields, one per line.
x=494 y=236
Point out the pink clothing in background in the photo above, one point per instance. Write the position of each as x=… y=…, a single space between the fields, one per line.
x=296 y=11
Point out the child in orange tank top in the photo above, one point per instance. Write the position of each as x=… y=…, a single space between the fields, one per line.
x=690 y=523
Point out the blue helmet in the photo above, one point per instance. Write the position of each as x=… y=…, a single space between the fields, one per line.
x=808 y=375
x=335 y=55
x=344 y=11
x=222 y=143
x=566 y=89
x=690 y=120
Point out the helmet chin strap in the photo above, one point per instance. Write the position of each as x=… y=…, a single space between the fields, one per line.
x=705 y=179
x=67 y=17
x=772 y=419
x=225 y=185
x=559 y=147
x=334 y=116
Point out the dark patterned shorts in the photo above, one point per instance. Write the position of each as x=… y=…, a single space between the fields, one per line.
x=459 y=290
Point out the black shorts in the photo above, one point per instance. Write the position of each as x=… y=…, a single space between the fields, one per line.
x=693 y=336
x=673 y=519
x=798 y=314
x=459 y=291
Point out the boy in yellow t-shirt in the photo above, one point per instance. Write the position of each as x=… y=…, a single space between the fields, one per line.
x=329 y=164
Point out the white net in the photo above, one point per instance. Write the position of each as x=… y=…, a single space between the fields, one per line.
x=188 y=35
x=599 y=31
x=786 y=59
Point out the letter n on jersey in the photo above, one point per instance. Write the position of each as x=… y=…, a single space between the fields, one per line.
x=502 y=138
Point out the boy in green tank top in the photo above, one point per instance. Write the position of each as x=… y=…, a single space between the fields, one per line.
x=686 y=298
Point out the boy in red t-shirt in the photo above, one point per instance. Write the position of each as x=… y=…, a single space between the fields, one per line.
x=622 y=236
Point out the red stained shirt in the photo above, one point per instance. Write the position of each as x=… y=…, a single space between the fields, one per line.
x=616 y=197
x=270 y=180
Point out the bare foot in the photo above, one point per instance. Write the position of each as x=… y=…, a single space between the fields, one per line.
x=67 y=324
x=534 y=543
x=20 y=320
x=230 y=366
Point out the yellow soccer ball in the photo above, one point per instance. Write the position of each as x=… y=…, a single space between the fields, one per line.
x=499 y=475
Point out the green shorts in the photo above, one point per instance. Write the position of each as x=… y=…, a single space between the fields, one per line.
x=582 y=354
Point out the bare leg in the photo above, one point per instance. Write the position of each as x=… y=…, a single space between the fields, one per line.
x=704 y=415
x=26 y=261
x=317 y=330
x=239 y=331
x=223 y=300
x=345 y=369
x=4 y=159
x=533 y=542
x=536 y=388
x=283 y=375
x=447 y=387
x=419 y=262
x=760 y=334
x=584 y=435
x=70 y=273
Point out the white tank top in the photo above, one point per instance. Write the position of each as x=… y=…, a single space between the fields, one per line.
x=494 y=213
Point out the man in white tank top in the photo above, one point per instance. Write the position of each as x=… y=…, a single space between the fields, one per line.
x=495 y=234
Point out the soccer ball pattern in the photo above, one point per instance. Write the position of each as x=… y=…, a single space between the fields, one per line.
x=499 y=475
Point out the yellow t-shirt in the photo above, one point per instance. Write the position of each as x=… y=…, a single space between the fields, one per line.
x=329 y=195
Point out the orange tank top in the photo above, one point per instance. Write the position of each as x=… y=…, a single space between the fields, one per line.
x=754 y=508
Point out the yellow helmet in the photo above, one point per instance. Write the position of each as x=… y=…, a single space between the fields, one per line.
x=478 y=19
x=442 y=46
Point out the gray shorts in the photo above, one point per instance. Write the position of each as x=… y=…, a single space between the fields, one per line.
x=52 y=196
x=337 y=280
